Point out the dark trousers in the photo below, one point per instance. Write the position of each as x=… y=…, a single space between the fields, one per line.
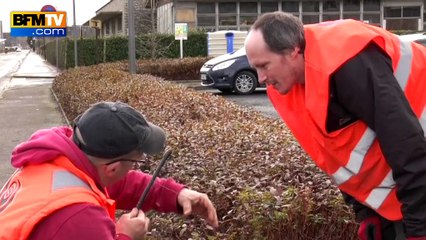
x=392 y=230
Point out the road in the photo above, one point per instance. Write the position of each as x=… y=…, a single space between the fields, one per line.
x=26 y=103
x=257 y=101
x=9 y=63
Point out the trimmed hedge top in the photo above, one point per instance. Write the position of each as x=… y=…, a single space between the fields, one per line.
x=260 y=180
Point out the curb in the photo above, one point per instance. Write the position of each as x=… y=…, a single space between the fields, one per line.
x=32 y=76
x=199 y=88
x=193 y=84
x=60 y=106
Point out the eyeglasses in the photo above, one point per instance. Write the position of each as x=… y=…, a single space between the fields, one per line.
x=136 y=163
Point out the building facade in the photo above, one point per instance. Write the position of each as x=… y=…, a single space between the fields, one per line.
x=112 y=18
x=216 y=15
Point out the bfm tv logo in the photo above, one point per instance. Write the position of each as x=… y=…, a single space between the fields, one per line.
x=46 y=23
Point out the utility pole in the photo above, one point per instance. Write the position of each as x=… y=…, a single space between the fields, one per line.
x=132 y=47
x=57 y=53
x=2 y=48
x=75 y=35
x=1 y=29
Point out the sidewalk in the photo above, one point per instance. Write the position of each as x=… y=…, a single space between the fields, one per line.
x=26 y=106
x=194 y=84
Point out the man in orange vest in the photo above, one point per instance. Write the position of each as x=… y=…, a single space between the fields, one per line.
x=69 y=182
x=354 y=96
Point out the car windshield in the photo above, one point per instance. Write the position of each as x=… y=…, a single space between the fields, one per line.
x=422 y=41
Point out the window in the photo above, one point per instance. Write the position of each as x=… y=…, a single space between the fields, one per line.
x=424 y=19
x=112 y=22
x=108 y=28
x=290 y=6
x=307 y=19
x=310 y=12
x=248 y=13
x=372 y=12
x=228 y=16
x=206 y=21
x=227 y=20
x=310 y=6
x=393 y=12
x=205 y=8
x=268 y=7
x=247 y=20
x=119 y=24
x=248 y=7
x=331 y=6
x=402 y=12
x=206 y=16
x=330 y=17
x=352 y=9
x=331 y=10
x=372 y=18
x=355 y=16
x=371 y=5
x=351 y=5
x=411 y=12
x=230 y=7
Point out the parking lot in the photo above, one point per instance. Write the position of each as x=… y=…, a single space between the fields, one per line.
x=257 y=101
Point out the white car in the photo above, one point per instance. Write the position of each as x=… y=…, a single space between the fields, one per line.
x=230 y=72
x=416 y=37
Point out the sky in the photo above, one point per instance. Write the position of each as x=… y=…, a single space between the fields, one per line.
x=84 y=9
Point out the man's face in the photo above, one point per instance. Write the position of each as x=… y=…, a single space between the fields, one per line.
x=280 y=71
x=113 y=170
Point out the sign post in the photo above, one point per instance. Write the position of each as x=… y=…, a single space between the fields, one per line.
x=181 y=33
x=131 y=36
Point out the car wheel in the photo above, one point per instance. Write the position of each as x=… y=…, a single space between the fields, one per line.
x=226 y=90
x=245 y=82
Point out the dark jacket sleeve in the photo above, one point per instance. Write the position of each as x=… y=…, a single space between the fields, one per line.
x=366 y=88
x=161 y=198
x=361 y=212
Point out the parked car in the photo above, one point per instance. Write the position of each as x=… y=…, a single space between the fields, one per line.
x=416 y=37
x=230 y=72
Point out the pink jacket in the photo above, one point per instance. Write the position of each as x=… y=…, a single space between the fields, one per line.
x=88 y=221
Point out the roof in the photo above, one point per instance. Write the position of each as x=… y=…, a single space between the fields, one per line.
x=107 y=15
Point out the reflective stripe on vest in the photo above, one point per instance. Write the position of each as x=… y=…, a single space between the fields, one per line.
x=65 y=179
x=423 y=121
x=356 y=158
x=378 y=195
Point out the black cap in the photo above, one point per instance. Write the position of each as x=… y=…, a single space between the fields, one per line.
x=113 y=129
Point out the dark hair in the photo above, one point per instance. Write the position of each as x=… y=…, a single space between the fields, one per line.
x=281 y=31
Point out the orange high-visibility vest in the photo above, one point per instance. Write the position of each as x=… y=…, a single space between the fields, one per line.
x=352 y=155
x=35 y=191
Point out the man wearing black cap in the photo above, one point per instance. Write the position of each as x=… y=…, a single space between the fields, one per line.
x=69 y=182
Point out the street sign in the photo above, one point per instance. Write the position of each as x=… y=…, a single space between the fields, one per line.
x=181 y=31
x=95 y=24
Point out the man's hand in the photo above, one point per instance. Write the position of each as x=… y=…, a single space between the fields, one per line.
x=133 y=224
x=196 y=203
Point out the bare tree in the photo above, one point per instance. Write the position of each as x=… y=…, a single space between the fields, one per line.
x=151 y=44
